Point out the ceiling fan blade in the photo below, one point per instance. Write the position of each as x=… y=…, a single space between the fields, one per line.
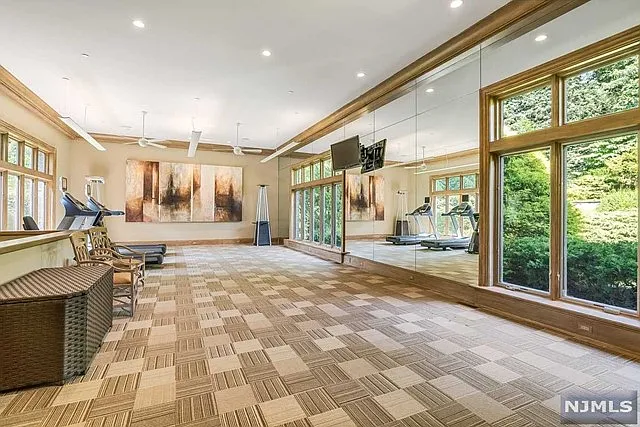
x=252 y=150
x=157 y=141
x=222 y=150
x=413 y=167
x=153 y=144
x=131 y=143
x=193 y=142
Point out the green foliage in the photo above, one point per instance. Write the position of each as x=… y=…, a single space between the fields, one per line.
x=525 y=262
x=604 y=272
x=528 y=111
x=614 y=226
x=622 y=170
x=620 y=200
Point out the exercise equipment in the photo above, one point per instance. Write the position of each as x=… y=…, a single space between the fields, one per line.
x=402 y=223
x=474 y=243
x=457 y=240
x=420 y=231
x=262 y=235
x=154 y=252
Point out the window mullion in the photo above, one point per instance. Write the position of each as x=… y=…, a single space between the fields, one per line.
x=557 y=219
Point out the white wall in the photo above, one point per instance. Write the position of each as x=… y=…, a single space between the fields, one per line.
x=112 y=166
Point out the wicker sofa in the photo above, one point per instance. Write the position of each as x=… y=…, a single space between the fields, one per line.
x=53 y=322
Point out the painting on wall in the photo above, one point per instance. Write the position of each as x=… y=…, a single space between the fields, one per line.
x=182 y=192
x=365 y=198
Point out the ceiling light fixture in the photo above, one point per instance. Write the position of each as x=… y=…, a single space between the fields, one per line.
x=429 y=90
x=456 y=4
x=276 y=153
x=266 y=52
x=541 y=38
x=85 y=55
x=82 y=133
x=290 y=92
x=360 y=75
x=138 y=23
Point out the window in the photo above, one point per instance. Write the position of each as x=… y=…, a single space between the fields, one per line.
x=327 y=208
x=316 y=203
x=601 y=221
x=28 y=157
x=27 y=201
x=447 y=193
x=13 y=202
x=338 y=213
x=306 y=226
x=454 y=183
x=12 y=151
x=327 y=168
x=526 y=204
x=42 y=205
x=42 y=162
x=469 y=181
x=316 y=213
x=605 y=90
x=526 y=112
x=24 y=181
x=317 y=173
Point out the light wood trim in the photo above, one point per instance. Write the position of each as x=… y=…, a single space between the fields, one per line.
x=21 y=170
x=485 y=185
x=321 y=251
x=507 y=18
x=19 y=91
x=317 y=182
x=233 y=241
x=28 y=242
x=596 y=127
x=344 y=212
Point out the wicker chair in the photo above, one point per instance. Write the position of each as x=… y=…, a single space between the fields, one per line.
x=103 y=248
x=126 y=276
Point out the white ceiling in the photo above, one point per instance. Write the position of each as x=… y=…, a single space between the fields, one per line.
x=212 y=50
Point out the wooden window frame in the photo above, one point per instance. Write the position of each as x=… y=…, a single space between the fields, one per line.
x=8 y=131
x=331 y=181
x=493 y=146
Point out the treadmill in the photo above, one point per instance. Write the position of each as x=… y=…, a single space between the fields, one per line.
x=76 y=215
x=457 y=241
x=153 y=253
x=96 y=206
x=420 y=232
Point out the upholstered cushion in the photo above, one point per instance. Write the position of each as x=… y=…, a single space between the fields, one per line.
x=121 y=278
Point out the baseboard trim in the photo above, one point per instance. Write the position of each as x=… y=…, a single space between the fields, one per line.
x=196 y=242
x=317 y=250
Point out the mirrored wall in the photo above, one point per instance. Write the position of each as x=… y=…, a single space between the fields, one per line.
x=421 y=210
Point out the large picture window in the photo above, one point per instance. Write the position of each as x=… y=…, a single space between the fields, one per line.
x=601 y=221
x=317 y=202
x=563 y=202
x=525 y=220
x=447 y=192
x=25 y=181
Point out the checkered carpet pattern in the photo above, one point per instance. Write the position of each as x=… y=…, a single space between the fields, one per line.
x=242 y=336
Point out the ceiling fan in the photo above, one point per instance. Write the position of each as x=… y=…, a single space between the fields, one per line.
x=194 y=139
x=144 y=142
x=237 y=149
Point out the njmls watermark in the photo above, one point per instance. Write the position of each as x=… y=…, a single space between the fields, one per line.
x=615 y=407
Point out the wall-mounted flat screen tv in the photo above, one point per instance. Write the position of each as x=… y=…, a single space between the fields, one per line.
x=346 y=154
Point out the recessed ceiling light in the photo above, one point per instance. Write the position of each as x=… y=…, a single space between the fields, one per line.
x=429 y=90
x=85 y=55
x=290 y=92
x=138 y=23
x=360 y=75
x=541 y=38
x=66 y=78
x=266 y=52
x=455 y=4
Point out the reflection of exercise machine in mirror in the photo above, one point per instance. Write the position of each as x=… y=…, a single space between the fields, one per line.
x=457 y=240
x=411 y=228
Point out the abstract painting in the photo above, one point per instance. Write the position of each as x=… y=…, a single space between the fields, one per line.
x=182 y=192
x=365 y=198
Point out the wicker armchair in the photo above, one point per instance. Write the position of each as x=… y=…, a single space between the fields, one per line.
x=103 y=248
x=126 y=276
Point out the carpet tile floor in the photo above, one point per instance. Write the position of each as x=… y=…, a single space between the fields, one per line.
x=241 y=336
